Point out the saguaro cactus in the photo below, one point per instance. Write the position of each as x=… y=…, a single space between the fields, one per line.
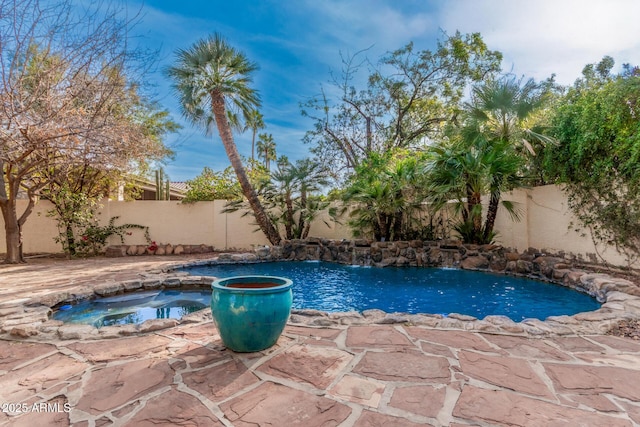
x=162 y=186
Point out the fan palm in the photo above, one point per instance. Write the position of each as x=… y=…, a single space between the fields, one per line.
x=457 y=174
x=384 y=196
x=292 y=190
x=209 y=78
x=266 y=149
x=499 y=117
x=254 y=122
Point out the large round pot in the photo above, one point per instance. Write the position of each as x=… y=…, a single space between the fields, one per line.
x=251 y=311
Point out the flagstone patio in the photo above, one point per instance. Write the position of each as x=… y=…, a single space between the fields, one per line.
x=339 y=375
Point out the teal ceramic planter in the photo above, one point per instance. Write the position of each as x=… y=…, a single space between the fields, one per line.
x=251 y=311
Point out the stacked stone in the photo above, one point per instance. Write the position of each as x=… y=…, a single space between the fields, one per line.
x=168 y=249
x=566 y=269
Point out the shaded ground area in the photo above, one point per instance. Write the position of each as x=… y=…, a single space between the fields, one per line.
x=358 y=375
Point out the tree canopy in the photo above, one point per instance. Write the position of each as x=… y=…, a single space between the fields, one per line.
x=68 y=97
x=403 y=102
x=597 y=126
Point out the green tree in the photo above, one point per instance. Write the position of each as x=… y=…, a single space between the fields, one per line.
x=597 y=126
x=456 y=174
x=223 y=185
x=487 y=152
x=460 y=174
x=211 y=185
x=498 y=120
x=74 y=210
x=291 y=194
x=405 y=100
x=208 y=77
x=384 y=197
x=66 y=89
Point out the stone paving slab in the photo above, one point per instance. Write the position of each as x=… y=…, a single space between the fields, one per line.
x=314 y=377
x=337 y=375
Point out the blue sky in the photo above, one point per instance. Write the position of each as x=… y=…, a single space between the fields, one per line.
x=297 y=44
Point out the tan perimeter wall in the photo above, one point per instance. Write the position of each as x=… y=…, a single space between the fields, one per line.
x=544 y=225
x=168 y=222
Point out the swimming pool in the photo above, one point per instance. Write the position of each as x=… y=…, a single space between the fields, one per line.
x=335 y=287
x=338 y=288
x=135 y=307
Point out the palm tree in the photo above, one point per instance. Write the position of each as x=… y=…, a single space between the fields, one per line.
x=385 y=196
x=487 y=154
x=209 y=77
x=457 y=174
x=290 y=194
x=254 y=122
x=266 y=149
x=499 y=116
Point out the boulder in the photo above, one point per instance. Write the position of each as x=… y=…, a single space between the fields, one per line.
x=450 y=244
x=416 y=243
x=498 y=264
x=512 y=256
x=474 y=263
x=262 y=251
x=524 y=267
x=115 y=251
x=546 y=264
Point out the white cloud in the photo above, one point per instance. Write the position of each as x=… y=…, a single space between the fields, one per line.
x=551 y=36
x=297 y=44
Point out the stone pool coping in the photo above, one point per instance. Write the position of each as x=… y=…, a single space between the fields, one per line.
x=30 y=317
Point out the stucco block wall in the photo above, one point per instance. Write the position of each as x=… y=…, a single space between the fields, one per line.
x=169 y=222
x=544 y=224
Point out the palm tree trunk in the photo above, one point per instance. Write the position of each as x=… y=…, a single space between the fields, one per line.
x=397 y=225
x=303 y=209
x=265 y=224
x=492 y=212
x=288 y=217
x=377 y=227
x=386 y=221
x=305 y=230
x=473 y=200
x=253 y=146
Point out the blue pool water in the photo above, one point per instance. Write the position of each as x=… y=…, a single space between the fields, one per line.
x=334 y=287
x=135 y=307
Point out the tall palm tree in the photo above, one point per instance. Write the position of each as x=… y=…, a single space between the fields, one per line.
x=487 y=154
x=208 y=78
x=255 y=122
x=499 y=116
x=266 y=149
